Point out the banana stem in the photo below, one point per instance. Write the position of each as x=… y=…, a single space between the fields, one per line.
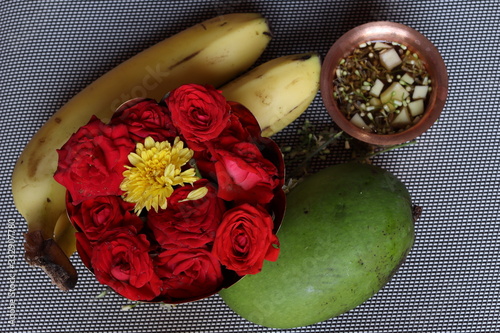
x=46 y=254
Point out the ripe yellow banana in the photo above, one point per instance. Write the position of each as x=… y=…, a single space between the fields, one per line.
x=278 y=91
x=212 y=52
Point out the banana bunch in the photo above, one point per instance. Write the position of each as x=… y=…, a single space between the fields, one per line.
x=208 y=53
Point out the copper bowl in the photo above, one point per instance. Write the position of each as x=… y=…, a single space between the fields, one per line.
x=390 y=32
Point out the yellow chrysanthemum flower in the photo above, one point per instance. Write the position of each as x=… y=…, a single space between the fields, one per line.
x=156 y=169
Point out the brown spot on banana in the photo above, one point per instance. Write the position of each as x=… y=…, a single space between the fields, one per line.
x=268 y=33
x=33 y=163
x=37 y=153
x=215 y=60
x=263 y=97
x=187 y=58
x=303 y=57
x=267 y=131
x=294 y=81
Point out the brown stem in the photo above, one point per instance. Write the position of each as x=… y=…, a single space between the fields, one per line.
x=46 y=254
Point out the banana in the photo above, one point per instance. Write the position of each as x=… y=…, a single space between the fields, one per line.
x=64 y=235
x=278 y=91
x=211 y=52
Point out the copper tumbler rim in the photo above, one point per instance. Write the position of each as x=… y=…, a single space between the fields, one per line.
x=390 y=32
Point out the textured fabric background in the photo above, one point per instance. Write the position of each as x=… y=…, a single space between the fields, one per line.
x=50 y=50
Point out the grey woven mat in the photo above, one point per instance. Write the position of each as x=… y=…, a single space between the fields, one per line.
x=50 y=50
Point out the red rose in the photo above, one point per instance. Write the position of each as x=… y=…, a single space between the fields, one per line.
x=199 y=112
x=242 y=124
x=97 y=215
x=190 y=223
x=189 y=273
x=145 y=118
x=242 y=172
x=245 y=239
x=121 y=260
x=92 y=161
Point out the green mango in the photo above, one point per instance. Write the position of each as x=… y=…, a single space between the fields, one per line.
x=346 y=231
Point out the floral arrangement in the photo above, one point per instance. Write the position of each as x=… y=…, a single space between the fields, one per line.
x=174 y=200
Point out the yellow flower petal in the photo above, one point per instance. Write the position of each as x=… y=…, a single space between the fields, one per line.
x=134 y=159
x=149 y=142
x=197 y=194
